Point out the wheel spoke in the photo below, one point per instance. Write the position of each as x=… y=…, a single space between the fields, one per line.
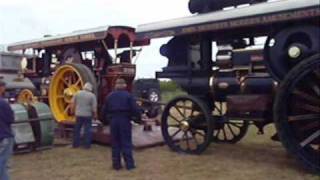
x=224 y=134
x=175 y=133
x=317 y=74
x=192 y=111
x=174 y=125
x=184 y=109
x=218 y=109
x=174 y=118
x=218 y=133
x=183 y=116
x=232 y=132
x=182 y=141
x=78 y=82
x=73 y=77
x=193 y=134
x=238 y=125
x=315 y=88
x=304 y=117
x=310 y=126
x=309 y=139
x=310 y=107
x=197 y=132
x=66 y=109
x=182 y=106
x=69 y=80
x=64 y=81
x=187 y=140
x=307 y=97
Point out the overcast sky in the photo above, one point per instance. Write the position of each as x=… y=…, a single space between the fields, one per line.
x=29 y=19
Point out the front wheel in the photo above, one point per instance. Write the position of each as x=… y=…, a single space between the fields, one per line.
x=297 y=112
x=186 y=125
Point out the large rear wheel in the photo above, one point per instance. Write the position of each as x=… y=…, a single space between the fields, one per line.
x=297 y=112
x=67 y=80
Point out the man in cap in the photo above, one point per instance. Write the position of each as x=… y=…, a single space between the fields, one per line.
x=119 y=108
x=6 y=135
x=85 y=107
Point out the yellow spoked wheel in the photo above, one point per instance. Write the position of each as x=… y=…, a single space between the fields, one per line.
x=65 y=83
x=26 y=97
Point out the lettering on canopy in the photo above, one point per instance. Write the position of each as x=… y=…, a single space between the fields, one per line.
x=234 y=23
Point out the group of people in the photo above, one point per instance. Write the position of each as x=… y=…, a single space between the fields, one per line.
x=118 y=109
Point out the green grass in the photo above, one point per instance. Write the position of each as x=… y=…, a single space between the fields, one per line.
x=254 y=158
x=170 y=90
x=169 y=95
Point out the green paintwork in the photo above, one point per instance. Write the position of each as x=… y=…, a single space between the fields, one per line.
x=23 y=133
x=46 y=123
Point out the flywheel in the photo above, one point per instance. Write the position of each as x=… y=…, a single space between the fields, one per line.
x=67 y=80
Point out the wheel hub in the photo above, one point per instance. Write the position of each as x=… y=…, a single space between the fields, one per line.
x=184 y=125
x=26 y=97
x=69 y=92
x=154 y=97
x=294 y=52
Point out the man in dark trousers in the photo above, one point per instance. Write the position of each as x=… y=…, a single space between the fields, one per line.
x=6 y=135
x=120 y=107
x=85 y=107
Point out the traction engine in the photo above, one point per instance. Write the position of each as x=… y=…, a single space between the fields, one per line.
x=258 y=63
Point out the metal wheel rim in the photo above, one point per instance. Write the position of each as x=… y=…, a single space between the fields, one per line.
x=289 y=119
x=193 y=140
x=65 y=78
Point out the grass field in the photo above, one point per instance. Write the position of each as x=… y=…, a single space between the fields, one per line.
x=167 y=96
x=254 y=158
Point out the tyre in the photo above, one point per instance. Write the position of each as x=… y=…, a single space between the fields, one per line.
x=186 y=125
x=297 y=112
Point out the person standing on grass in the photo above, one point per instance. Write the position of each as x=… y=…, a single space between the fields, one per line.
x=85 y=108
x=6 y=135
x=119 y=108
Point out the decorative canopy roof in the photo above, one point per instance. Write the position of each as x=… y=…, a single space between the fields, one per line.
x=257 y=14
x=88 y=35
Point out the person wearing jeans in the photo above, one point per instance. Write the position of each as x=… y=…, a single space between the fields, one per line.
x=84 y=122
x=6 y=135
x=85 y=107
x=6 y=146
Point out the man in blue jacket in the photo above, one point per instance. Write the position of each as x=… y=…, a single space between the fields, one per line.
x=119 y=108
x=6 y=136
